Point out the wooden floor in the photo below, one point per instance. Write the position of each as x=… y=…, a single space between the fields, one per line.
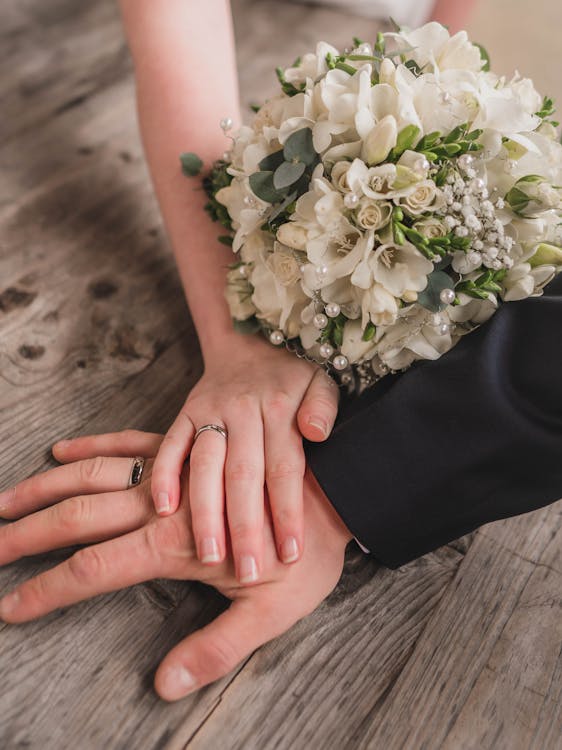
x=461 y=649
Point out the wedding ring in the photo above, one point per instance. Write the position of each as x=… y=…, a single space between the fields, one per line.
x=136 y=472
x=216 y=427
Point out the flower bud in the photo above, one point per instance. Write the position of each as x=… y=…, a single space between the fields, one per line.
x=380 y=141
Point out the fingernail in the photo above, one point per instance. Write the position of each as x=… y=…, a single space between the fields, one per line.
x=178 y=681
x=289 y=550
x=6 y=499
x=8 y=604
x=248 y=570
x=162 y=502
x=319 y=424
x=209 y=550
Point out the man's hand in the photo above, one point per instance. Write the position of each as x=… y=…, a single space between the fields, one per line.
x=83 y=502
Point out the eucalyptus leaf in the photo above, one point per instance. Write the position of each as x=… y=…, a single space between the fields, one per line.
x=282 y=206
x=250 y=325
x=272 y=161
x=190 y=164
x=430 y=297
x=299 y=147
x=486 y=63
x=262 y=185
x=287 y=174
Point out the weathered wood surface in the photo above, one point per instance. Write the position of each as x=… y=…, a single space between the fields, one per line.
x=461 y=649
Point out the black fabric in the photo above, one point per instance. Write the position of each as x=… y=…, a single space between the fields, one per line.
x=433 y=453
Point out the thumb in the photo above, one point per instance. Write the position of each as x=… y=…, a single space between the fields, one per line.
x=213 y=651
x=319 y=407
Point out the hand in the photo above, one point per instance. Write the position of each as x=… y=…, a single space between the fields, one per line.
x=87 y=503
x=262 y=396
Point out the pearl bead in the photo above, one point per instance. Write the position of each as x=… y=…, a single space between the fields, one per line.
x=466 y=161
x=321 y=270
x=226 y=156
x=332 y=309
x=447 y=296
x=249 y=201
x=443 y=329
x=350 y=200
x=320 y=321
x=302 y=268
x=340 y=362
x=226 y=123
x=276 y=337
x=478 y=184
x=326 y=350
x=421 y=165
x=243 y=271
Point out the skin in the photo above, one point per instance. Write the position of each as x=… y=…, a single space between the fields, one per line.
x=126 y=542
x=266 y=399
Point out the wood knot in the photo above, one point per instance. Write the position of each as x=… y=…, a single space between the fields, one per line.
x=12 y=298
x=102 y=289
x=30 y=351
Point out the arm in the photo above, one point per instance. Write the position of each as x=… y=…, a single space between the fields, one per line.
x=185 y=70
x=450 y=445
x=453 y=13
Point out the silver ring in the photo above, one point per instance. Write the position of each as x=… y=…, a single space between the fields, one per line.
x=216 y=427
x=136 y=472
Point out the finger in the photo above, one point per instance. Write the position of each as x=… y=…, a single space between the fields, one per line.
x=215 y=650
x=78 y=520
x=125 y=443
x=244 y=486
x=206 y=495
x=98 y=569
x=319 y=407
x=169 y=462
x=92 y=475
x=284 y=475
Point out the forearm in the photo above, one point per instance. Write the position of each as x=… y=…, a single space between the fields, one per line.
x=453 y=13
x=186 y=80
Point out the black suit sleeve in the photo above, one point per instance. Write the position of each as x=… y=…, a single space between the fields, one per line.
x=433 y=453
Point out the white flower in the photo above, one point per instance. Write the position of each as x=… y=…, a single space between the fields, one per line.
x=431 y=227
x=413 y=337
x=380 y=141
x=353 y=347
x=339 y=176
x=378 y=306
x=284 y=265
x=524 y=281
x=435 y=48
x=400 y=268
x=424 y=196
x=312 y=65
x=373 y=214
x=293 y=235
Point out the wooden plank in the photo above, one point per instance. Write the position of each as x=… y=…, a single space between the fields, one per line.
x=479 y=661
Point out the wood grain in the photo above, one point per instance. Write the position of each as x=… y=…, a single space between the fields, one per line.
x=460 y=649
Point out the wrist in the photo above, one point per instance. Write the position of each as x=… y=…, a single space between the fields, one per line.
x=230 y=346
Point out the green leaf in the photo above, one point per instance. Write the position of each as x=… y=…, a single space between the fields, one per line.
x=190 y=164
x=369 y=332
x=485 y=57
x=272 y=161
x=226 y=239
x=262 y=185
x=517 y=199
x=250 y=325
x=299 y=147
x=287 y=174
x=395 y=26
x=430 y=297
x=279 y=209
x=357 y=42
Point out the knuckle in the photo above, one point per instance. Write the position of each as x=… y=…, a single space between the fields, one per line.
x=242 y=403
x=91 y=469
x=201 y=461
x=86 y=565
x=242 y=530
x=73 y=514
x=278 y=403
x=241 y=471
x=285 y=470
x=220 y=656
x=164 y=538
x=322 y=405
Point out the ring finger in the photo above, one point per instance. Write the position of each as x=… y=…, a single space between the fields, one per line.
x=93 y=475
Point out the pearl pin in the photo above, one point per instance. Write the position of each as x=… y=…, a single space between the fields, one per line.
x=340 y=362
x=320 y=321
x=332 y=309
x=276 y=337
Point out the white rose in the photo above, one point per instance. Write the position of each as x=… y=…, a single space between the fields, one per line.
x=527 y=94
x=284 y=265
x=424 y=196
x=339 y=175
x=238 y=293
x=431 y=227
x=373 y=214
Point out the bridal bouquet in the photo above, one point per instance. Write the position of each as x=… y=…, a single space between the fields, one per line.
x=387 y=201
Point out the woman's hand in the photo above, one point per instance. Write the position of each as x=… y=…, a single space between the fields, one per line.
x=85 y=502
x=263 y=396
